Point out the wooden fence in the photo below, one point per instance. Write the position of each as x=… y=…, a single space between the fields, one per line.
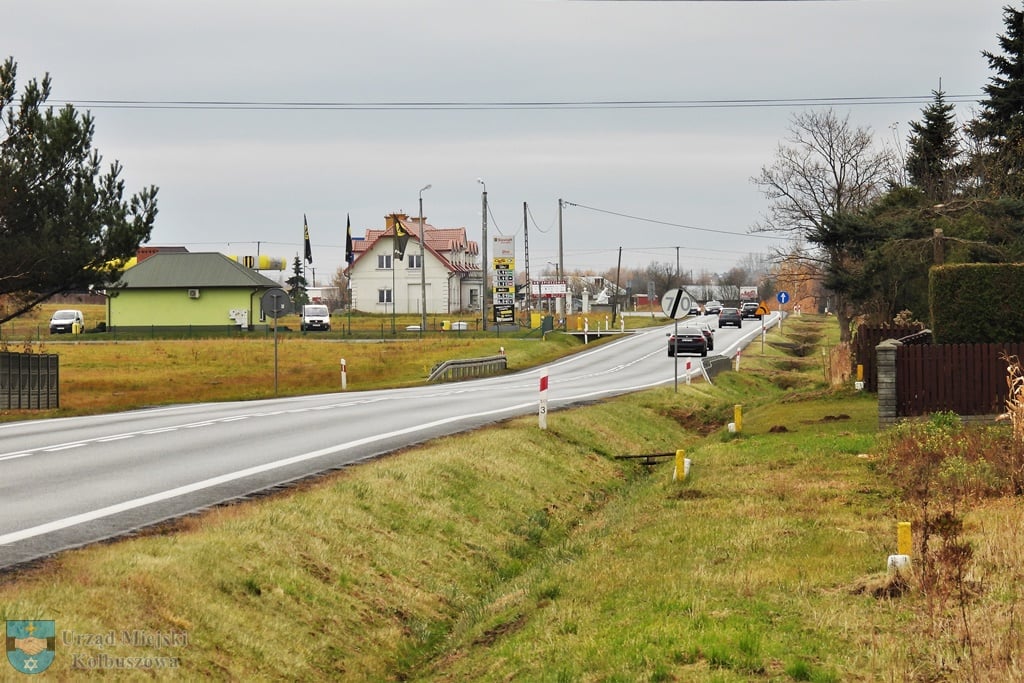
x=29 y=380
x=967 y=379
x=864 y=342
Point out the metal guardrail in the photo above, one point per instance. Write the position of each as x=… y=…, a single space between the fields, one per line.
x=470 y=367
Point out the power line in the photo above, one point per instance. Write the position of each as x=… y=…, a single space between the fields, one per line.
x=457 y=105
x=673 y=225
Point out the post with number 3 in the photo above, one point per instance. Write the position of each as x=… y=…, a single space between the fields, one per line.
x=543 y=410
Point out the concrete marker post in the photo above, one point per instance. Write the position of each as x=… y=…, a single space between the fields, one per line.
x=682 y=468
x=543 y=407
x=904 y=539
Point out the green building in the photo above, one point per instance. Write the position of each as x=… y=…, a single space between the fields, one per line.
x=182 y=289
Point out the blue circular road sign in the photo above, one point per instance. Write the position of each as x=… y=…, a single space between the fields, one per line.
x=783 y=297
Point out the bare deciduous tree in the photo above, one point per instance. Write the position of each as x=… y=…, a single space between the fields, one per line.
x=825 y=169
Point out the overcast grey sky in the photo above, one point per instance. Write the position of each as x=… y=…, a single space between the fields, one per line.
x=234 y=175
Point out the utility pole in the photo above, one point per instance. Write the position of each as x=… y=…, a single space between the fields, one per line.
x=483 y=289
x=423 y=270
x=615 y=305
x=560 y=273
x=526 y=247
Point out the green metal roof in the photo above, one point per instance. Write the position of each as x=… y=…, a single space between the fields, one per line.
x=208 y=269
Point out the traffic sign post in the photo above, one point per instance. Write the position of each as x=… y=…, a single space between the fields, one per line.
x=782 y=298
x=675 y=303
x=275 y=303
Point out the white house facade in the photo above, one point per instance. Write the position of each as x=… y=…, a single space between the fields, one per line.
x=381 y=283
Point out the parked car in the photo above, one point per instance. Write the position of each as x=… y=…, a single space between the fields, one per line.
x=709 y=333
x=688 y=340
x=314 y=317
x=713 y=307
x=730 y=316
x=67 y=320
x=750 y=309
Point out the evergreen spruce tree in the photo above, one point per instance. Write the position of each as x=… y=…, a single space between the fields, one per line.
x=297 y=286
x=999 y=127
x=933 y=151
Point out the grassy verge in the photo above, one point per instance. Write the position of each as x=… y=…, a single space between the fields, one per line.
x=102 y=376
x=515 y=554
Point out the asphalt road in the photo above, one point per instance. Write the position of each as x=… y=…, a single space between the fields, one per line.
x=72 y=481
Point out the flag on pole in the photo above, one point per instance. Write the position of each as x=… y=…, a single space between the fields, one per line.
x=305 y=235
x=350 y=255
x=401 y=239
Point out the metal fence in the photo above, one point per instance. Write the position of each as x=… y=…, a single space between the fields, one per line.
x=29 y=381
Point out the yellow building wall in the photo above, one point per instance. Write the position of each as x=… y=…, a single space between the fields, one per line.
x=174 y=307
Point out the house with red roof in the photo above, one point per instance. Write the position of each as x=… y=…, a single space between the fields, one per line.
x=380 y=282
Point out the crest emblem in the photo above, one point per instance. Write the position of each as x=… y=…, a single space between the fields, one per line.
x=30 y=645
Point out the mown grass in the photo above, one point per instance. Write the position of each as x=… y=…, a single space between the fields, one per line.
x=100 y=376
x=518 y=554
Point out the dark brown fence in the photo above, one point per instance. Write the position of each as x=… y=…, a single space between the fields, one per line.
x=967 y=379
x=29 y=380
x=864 y=343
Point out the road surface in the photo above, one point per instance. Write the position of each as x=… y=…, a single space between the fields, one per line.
x=68 y=482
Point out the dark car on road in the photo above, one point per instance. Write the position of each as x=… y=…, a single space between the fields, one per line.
x=713 y=307
x=730 y=316
x=688 y=340
x=750 y=309
x=709 y=333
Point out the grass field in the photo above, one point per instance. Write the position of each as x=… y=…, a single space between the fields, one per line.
x=98 y=374
x=514 y=554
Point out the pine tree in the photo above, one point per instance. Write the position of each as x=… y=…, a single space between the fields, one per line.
x=297 y=285
x=64 y=224
x=934 y=150
x=999 y=128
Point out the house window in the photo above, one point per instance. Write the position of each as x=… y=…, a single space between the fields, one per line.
x=383 y=296
x=415 y=261
x=384 y=262
x=474 y=298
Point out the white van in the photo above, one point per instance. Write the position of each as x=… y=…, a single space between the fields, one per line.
x=67 y=320
x=314 y=317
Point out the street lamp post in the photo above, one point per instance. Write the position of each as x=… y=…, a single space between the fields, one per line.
x=483 y=289
x=423 y=269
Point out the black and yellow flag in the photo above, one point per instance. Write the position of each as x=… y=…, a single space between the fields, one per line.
x=401 y=239
x=305 y=235
x=350 y=254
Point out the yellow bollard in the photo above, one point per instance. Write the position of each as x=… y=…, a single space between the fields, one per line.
x=860 y=372
x=904 y=543
x=680 y=472
x=737 y=417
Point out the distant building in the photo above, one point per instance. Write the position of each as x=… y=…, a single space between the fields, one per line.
x=178 y=288
x=380 y=283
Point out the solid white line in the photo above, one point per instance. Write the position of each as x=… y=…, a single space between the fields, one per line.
x=93 y=515
x=64 y=447
x=12 y=456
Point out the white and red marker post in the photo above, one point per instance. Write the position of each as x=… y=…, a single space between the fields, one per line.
x=543 y=408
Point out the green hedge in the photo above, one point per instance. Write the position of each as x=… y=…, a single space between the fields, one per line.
x=977 y=303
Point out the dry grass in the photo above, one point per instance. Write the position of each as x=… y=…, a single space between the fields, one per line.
x=513 y=554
